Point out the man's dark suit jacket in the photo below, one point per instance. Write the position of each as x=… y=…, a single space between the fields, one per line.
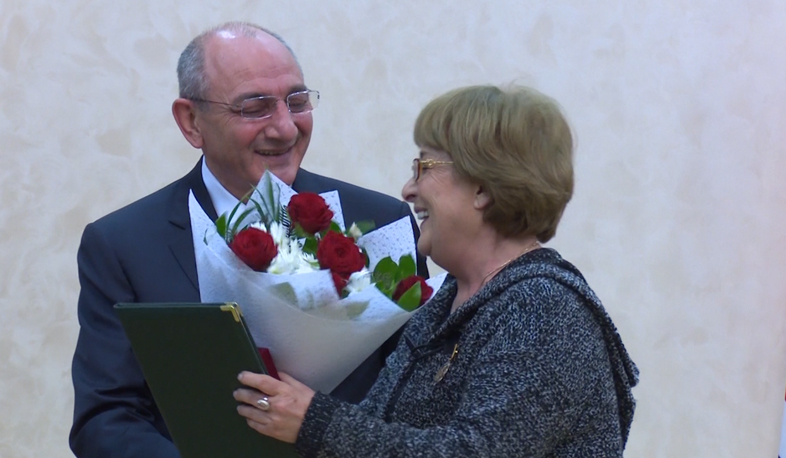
x=144 y=253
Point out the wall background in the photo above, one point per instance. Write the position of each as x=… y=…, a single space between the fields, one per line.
x=678 y=219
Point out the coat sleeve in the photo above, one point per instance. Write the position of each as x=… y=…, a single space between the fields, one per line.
x=114 y=412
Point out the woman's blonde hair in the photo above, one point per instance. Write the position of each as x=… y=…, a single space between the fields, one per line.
x=515 y=143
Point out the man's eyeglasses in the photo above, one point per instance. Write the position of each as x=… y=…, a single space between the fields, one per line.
x=264 y=106
x=418 y=165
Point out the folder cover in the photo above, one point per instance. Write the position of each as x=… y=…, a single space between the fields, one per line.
x=191 y=354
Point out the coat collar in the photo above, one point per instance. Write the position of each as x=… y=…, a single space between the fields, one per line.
x=178 y=205
x=536 y=263
x=182 y=245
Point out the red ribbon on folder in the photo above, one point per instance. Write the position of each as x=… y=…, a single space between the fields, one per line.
x=267 y=359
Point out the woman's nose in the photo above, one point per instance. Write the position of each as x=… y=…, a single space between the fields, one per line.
x=409 y=190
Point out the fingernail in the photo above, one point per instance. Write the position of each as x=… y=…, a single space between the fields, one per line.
x=240 y=376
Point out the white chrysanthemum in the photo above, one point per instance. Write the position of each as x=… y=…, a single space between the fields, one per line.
x=354 y=231
x=292 y=260
x=359 y=281
x=279 y=233
x=259 y=225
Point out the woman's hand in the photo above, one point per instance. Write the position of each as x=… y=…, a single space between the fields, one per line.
x=273 y=408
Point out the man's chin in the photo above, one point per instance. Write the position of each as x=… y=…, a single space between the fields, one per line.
x=284 y=170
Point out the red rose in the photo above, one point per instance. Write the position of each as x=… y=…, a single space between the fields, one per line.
x=309 y=211
x=404 y=285
x=340 y=282
x=255 y=247
x=340 y=254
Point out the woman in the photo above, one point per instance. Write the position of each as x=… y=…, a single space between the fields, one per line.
x=514 y=355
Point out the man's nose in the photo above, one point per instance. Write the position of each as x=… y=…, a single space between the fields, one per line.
x=281 y=125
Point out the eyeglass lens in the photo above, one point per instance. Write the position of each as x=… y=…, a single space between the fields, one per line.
x=261 y=107
x=416 y=169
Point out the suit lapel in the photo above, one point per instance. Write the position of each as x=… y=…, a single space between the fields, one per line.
x=306 y=181
x=182 y=244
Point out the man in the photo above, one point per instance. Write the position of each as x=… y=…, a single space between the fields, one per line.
x=244 y=103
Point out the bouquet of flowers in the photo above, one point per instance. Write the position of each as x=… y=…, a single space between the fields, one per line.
x=320 y=297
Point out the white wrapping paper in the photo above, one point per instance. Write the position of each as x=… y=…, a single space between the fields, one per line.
x=312 y=334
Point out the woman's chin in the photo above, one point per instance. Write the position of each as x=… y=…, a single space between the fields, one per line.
x=424 y=247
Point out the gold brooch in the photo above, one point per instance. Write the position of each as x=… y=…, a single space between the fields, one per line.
x=444 y=369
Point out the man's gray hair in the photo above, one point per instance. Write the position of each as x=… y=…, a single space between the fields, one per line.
x=191 y=77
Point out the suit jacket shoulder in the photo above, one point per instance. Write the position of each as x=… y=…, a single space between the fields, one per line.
x=141 y=215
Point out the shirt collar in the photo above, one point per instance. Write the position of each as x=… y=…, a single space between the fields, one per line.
x=223 y=200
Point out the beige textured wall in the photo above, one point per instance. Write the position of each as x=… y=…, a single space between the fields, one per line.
x=678 y=218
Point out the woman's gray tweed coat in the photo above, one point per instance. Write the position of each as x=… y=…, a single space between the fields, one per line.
x=540 y=372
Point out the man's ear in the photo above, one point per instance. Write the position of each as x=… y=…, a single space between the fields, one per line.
x=186 y=118
x=482 y=198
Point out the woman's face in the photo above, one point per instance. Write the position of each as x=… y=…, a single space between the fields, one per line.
x=445 y=206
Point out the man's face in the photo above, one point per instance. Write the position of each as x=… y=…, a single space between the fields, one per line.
x=237 y=149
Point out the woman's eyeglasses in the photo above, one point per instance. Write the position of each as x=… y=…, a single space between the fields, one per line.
x=418 y=165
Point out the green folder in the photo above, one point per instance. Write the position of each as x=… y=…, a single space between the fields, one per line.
x=191 y=355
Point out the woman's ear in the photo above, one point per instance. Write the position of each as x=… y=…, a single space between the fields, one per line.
x=185 y=115
x=482 y=198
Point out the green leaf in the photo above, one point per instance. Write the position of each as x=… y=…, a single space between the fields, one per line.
x=221 y=226
x=386 y=288
x=365 y=226
x=384 y=275
x=240 y=219
x=300 y=232
x=410 y=300
x=269 y=203
x=261 y=211
x=365 y=256
x=385 y=266
x=310 y=246
x=335 y=227
x=230 y=218
x=406 y=265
